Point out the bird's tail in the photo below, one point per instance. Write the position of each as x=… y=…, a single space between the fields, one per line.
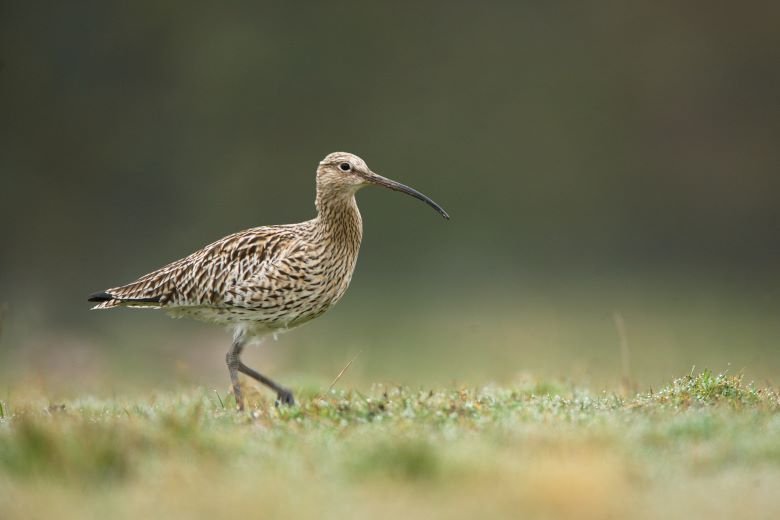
x=108 y=300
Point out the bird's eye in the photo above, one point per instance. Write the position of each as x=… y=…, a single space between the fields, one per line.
x=345 y=166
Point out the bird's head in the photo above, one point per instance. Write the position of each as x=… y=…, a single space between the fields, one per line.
x=342 y=173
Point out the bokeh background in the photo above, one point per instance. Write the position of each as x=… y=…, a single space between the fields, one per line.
x=603 y=163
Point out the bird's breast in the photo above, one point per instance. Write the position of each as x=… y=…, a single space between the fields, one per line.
x=298 y=289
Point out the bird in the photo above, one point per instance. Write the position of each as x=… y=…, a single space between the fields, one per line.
x=269 y=279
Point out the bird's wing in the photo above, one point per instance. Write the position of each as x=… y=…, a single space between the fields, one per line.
x=216 y=275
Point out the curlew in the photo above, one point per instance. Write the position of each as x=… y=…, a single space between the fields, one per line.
x=268 y=279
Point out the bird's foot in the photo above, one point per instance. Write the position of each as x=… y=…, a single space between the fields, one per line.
x=238 y=396
x=285 y=397
x=239 y=402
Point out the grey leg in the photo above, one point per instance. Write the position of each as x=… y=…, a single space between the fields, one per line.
x=283 y=395
x=233 y=360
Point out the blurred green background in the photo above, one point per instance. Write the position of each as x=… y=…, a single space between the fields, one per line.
x=597 y=159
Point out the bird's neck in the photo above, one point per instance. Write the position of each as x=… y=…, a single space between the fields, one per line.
x=339 y=219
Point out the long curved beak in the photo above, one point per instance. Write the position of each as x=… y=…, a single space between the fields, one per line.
x=397 y=186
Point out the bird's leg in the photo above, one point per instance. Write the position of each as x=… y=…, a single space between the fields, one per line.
x=235 y=365
x=233 y=360
x=283 y=395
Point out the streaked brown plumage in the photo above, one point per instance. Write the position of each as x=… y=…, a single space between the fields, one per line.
x=267 y=279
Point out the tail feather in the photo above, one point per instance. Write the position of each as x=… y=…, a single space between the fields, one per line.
x=101 y=296
x=107 y=300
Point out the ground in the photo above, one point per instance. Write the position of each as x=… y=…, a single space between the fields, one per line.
x=703 y=446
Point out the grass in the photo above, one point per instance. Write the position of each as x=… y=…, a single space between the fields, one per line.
x=705 y=445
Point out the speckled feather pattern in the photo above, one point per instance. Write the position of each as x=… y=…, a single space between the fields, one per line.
x=263 y=279
x=268 y=279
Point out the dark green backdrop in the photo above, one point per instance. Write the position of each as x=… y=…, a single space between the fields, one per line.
x=594 y=157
